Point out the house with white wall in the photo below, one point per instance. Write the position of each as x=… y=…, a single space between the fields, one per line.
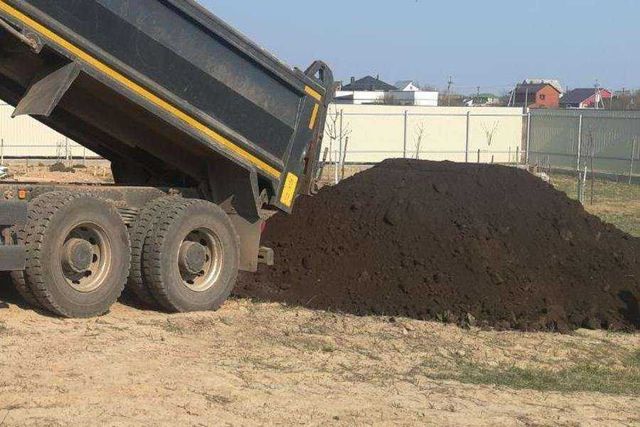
x=372 y=90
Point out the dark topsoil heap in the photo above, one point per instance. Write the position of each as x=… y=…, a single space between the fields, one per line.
x=486 y=245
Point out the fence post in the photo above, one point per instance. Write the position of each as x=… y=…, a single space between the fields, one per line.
x=344 y=157
x=466 y=144
x=478 y=155
x=528 y=153
x=341 y=136
x=579 y=172
x=633 y=154
x=406 y=131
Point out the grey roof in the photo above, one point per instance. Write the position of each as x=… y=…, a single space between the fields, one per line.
x=577 y=96
x=369 y=84
x=403 y=83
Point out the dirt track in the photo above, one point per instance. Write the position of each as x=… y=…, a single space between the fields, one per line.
x=265 y=363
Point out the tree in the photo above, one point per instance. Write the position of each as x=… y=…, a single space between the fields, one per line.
x=419 y=136
x=490 y=132
x=624 y=100
x=337 y=131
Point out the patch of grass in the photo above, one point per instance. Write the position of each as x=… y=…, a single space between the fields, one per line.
x=634 y=360
x=3 y=328
x=578 y=378
x=172 y=328
x=615 y=202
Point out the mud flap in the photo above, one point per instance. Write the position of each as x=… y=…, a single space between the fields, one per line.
x=45 y=94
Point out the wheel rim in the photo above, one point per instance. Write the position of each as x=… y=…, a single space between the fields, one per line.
x=200 y=259
x=86 y=257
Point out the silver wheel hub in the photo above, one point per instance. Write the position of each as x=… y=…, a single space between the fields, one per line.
x=200 y=259
x=77 y=255
x=85 y=257
x=193 y=257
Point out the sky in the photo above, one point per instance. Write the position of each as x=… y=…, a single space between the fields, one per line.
x=487 y=43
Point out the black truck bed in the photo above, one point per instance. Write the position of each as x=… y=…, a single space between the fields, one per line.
x=167 y=91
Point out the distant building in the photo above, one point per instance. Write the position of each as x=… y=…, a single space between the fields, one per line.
x=483 y=100
x=585 y=98
x=553 y=82
x=535 y=95
x=368 y=84
x=413 y=97
x=372 y=90
x=407 y=86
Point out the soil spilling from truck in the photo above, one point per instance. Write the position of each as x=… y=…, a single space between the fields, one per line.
x=472 y=244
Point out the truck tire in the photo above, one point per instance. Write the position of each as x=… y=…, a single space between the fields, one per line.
x=18 y=277
x=191 y=260
x=140 y=231
x=79 y=255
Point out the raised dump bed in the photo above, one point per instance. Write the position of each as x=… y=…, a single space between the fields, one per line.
x=190 y=113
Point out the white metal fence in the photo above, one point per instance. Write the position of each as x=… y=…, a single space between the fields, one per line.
x=367 y=134
x=25 y=137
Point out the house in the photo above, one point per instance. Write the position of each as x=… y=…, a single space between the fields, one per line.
x=553 y=82
x=407 y=86
x=535 y=95
x=367 y=90
x=368 y=84
x=411 y=97
x=585 y=98
x=372 y=90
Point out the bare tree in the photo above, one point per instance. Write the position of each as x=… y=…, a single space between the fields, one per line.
x=338 y=132
x=490 y=132
x=419 y=137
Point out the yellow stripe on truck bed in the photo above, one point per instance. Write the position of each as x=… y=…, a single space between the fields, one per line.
x=139 y=90
x=312 y=93
x=314 y=116
x=289 y=191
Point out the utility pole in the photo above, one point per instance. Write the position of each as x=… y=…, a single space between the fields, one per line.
x=597 y=95
x=450 y=83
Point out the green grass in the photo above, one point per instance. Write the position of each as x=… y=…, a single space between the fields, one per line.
x=579 y=378
x=617 y=203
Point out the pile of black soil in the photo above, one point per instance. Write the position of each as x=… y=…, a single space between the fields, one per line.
x=472 y=244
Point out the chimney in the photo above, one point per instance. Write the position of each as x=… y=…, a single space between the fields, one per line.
x=353 y=80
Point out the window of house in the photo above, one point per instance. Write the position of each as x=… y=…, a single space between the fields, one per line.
x=542 y=97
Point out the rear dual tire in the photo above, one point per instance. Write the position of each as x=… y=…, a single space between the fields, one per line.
x=191 y=259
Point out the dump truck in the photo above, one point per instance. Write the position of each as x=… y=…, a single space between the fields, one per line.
x=207 y=133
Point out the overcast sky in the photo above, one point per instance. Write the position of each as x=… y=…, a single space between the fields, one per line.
x=491 y=43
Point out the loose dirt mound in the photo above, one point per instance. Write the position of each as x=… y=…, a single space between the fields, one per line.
x=474 y=244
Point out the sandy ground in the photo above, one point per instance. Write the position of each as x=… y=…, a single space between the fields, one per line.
x=257 y=363
x=269 y=364
x=39 y=173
